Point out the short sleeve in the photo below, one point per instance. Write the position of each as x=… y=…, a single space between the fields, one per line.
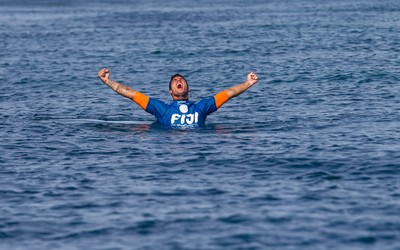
x=221 y=98
x=141 y=100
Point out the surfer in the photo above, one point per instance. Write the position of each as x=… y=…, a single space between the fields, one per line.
x=181 y=112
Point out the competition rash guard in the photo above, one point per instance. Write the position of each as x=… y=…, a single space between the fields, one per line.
x=181 y=113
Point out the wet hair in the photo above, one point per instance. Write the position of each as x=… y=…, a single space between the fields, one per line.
x=172 y=77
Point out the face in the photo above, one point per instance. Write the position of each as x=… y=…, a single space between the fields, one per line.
x=179 y=88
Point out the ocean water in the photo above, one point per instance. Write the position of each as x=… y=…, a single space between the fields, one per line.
x=309 y=158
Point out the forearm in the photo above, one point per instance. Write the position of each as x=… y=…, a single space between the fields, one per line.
x=120 y=88
x=227 y=94
x=231 y=92
x=140 y=99
x=238 y=89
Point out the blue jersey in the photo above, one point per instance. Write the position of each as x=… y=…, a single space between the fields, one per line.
x=181 y=113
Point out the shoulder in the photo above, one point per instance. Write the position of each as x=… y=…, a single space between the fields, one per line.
x=157 y=104
x=206 y=105
x=206 y=101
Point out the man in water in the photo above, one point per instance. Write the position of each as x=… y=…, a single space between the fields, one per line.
x=181 y=112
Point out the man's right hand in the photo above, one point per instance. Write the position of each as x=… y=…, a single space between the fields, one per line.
x=104 y=74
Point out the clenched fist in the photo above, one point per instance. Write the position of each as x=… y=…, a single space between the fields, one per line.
x=104 y=74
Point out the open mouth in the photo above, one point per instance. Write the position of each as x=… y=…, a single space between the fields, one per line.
x=179 y=86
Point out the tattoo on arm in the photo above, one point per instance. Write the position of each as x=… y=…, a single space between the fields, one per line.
x=111 y=84
x=120 y=89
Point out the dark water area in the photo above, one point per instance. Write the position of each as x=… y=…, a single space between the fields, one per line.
x=309 y=158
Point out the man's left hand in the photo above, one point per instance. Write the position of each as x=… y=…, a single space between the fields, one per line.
x=252 y=78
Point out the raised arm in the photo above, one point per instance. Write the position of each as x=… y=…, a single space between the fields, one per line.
x=123 y=90
x=231 y=92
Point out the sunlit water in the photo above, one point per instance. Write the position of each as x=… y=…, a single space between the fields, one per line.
x=309 y=158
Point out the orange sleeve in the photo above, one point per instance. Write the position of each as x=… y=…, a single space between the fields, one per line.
x=141 y=99
x=221 y=98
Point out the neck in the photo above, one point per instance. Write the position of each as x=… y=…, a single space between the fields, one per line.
x=180 y=98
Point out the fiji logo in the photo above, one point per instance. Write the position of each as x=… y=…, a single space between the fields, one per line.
x=183 y=108
x=185 y=118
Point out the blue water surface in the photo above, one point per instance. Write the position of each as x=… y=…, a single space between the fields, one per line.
x=309 y=158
